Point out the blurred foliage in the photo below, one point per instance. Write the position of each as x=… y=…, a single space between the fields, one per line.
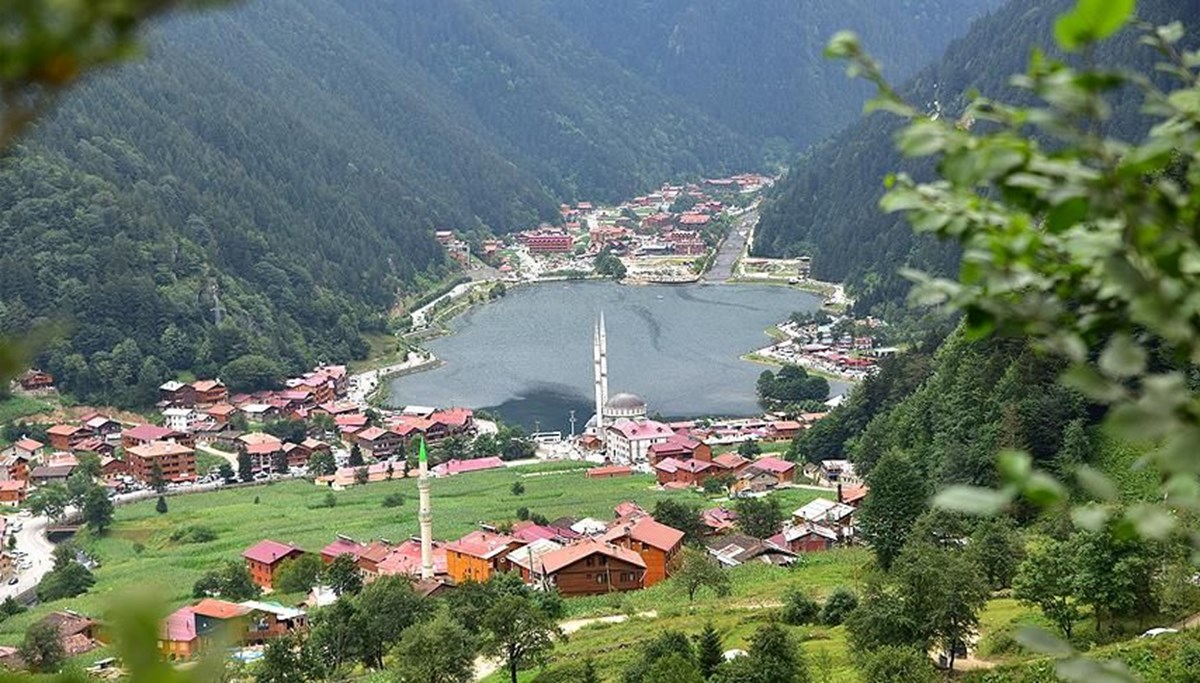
x=1084 y=244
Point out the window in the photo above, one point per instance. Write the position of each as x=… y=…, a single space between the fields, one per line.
x=604 y=560
x=588 y=561
x=600 y=578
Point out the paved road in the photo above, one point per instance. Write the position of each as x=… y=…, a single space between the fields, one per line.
x=731 y=250
x=30 y=539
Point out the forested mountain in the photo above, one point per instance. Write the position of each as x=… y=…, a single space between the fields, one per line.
x=757 y=67
x=827 y=206
x=280 y=167
x=952 y=410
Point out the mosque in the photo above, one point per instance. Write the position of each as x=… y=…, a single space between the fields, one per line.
x=620 y=423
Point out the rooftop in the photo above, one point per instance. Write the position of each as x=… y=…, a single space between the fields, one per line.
x=269 y=552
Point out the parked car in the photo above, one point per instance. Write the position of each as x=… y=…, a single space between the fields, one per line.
x=14 y=581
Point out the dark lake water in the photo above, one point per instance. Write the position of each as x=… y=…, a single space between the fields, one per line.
x=528 y=357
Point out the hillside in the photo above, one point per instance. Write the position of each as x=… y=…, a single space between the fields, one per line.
x=757 y=67
x=266 y=182
x=828 y=204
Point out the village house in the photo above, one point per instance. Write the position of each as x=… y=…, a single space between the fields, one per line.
x=341 y=545
x=175 y=461
x=680 y=447
x=95 y=445
x=478 y=555
x=221 y=413
x=629 y=441
x=829 y=513
x=731 y=463
x=528 y=558
x=609 y=472
x=259 y=413
x=12 y=492
x=528 y=532
x=112 y=468
x=378 y=443
x=50 y=474
x=36 y=381
x=177 y=637
x=210 y=392
x=454 y=466
x=718 y=520
x=683 y=473
x=656 y=543
x=77 y=633
x=734 y=550
x=853 y=495
x=349 y=424
x=174 y=393
x=264 y=558
x=753 y=480
x=101 y=426
x=298 y=454
x=589 y=567
x=783 y=471
x=147 y=433
x=15 y=461
x=179 y=419
x=64 y=437
x=262 y=448
x=805 y=537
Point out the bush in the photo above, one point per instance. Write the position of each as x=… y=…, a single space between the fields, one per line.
x=328 y=501
x=393 y=500
x=892 y=664
x=841 y=603
x=799 y=609
x=193 y=534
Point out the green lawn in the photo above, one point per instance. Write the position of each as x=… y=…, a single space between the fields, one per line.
x=284 y=513
x=16 y=407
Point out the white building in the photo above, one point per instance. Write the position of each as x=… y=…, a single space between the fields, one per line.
x=629 y=441
x=179 y=419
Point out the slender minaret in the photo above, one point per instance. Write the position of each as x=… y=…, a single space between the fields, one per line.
x=603 y=366
x=425 y=516
x=596 y=381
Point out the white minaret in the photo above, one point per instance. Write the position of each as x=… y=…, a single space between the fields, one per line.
x=603 y=363
x=596 y=381
x=425 y=517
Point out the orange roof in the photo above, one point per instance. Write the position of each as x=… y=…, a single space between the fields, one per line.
x=208 y=385
x=646 y=530
x=30 y=445
x=218 y=609
x=157 y=449
x=221 y=409
x=730 y=461
x=559 y=559
x=12 y=485
x=259 y=443
x=63 y=430
x=852 y=494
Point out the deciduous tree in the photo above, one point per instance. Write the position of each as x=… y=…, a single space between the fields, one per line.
x=439 y=650
x=518 y=631
x=896 y=500
x=42 y=649
x=692 y=570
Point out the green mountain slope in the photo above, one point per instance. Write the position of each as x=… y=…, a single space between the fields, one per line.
x=267 y=181
x=757 y=66
x=828 y=204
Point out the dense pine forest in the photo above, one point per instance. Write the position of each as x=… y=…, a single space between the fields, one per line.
x=827 y=206
x=264 y=186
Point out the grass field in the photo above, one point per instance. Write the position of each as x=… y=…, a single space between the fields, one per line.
x=17 y=407
x=138 y=556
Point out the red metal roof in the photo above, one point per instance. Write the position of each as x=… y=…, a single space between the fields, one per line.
x=270 y=552
x=647 y=530
x=560 y=559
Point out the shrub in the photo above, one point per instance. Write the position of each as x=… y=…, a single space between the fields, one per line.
x=799 y=609
x=841 y=603
x=393 y=500
x=193 y=534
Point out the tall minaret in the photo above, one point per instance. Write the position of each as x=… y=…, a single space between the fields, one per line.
x=425 y=516
x=603 y=361
x=597 y=383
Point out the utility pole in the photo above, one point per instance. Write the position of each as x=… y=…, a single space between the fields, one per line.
x=572 y=424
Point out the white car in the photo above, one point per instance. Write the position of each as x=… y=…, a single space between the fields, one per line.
x=1158 y=632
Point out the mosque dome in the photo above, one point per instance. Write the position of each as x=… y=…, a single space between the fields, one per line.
x=625 y=405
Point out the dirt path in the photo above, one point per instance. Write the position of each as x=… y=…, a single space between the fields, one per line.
x=485 y=666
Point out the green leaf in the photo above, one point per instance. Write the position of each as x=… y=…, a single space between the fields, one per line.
x=1151 y=521
x=1043 y=490
x=1090 y=517
x=972 y=500
x=1096 y=483
x=1043 y=642
x=1123 y=357
x=1015 y=466
x=1090 y=21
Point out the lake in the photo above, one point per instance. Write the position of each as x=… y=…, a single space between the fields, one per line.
x=528 y=357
